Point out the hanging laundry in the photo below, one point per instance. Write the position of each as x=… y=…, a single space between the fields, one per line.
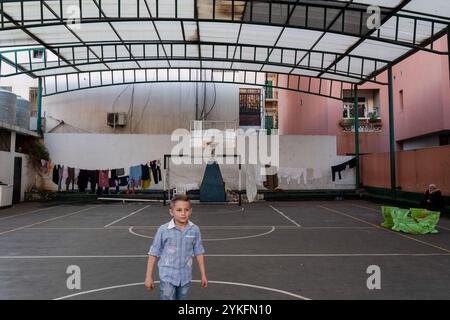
x=55 y=176
x=123 y=181
x=103 y=179
x=114 y=180
x=271 y=182
x=60 y=176
x=70 y=178
x=77 y=172
x=146 y=177
x=352 y=163
x=156 y=171
x=120 y=172
x=135 y=175
x=82 y=180
x=93 y=179
x=65 y=175
x=341 y=167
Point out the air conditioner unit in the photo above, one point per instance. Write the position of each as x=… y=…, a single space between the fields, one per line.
x=117 y=119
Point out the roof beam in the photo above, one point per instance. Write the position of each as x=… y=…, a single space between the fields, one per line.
x=35 y=38
x=219 y=78
x=115 y=31
x=281 y=33
x=70 y=30
x=157 y=32
x=361 y=40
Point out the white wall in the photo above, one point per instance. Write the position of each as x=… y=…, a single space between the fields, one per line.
x=312 y=155
x=158 y=108
x=7 y=169
x=20 y=84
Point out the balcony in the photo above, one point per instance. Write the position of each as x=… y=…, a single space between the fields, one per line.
x=365 y=124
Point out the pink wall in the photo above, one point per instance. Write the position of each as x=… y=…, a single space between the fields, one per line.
x=424 y=79
x=413 y=169
x=301 y=113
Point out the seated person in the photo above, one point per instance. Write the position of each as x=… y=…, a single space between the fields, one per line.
x=433 y=199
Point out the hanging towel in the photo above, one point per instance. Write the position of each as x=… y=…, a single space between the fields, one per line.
x=120 y=172
x=103 y=179
x=135 y=175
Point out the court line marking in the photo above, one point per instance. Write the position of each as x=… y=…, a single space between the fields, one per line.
x=134 y=212
x=378 y=211
x=278 y=255
x=48 y=220
x=22 y=214
x=281 y=213
x=209 y=281
x=218 y=239
x=384 y=229
x=206 y=227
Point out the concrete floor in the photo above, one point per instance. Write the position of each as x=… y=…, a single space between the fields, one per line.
x=265 y=250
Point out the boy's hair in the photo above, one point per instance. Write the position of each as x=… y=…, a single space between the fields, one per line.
x=179 y=197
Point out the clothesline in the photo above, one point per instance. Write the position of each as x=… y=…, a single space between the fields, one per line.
x=139 y=176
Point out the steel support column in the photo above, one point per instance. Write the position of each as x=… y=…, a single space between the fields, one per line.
x=355 y=108
x=391 y=132
x=39 y=106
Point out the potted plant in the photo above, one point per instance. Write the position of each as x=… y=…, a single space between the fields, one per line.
x=374 y=120
x=346 y=123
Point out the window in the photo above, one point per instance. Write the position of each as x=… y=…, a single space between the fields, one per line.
x=348 y=112
x=249 y=100
x=249 y=107
x=5 y=140
x=38 y=54
x=33 y=93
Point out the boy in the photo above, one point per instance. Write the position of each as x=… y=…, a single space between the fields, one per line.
x=175 y=243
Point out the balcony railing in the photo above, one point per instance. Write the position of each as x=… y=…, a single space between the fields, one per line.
x=365 y=125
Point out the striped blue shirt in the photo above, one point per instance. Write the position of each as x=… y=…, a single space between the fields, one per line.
x=175 y=249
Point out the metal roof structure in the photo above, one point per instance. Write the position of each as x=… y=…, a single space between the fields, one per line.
x=323 y=45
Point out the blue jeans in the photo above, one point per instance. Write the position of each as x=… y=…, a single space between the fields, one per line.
x=168 y=291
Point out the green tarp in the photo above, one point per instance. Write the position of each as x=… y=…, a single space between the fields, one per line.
x=414 y=220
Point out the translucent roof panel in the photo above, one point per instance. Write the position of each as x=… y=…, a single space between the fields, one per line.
x=128 y=32
x=380 y=3
x=54 y=34
x=219 y=32
x=330 y=38
x=168 y=30
x=259 y=35
x=332 y=42
x=375 y=49
x=15 y=38
x=90 y=32
x=300 y=39
x=436 y=7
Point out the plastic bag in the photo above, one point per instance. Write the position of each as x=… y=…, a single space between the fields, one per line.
x=414 y=221
x=386 y=212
